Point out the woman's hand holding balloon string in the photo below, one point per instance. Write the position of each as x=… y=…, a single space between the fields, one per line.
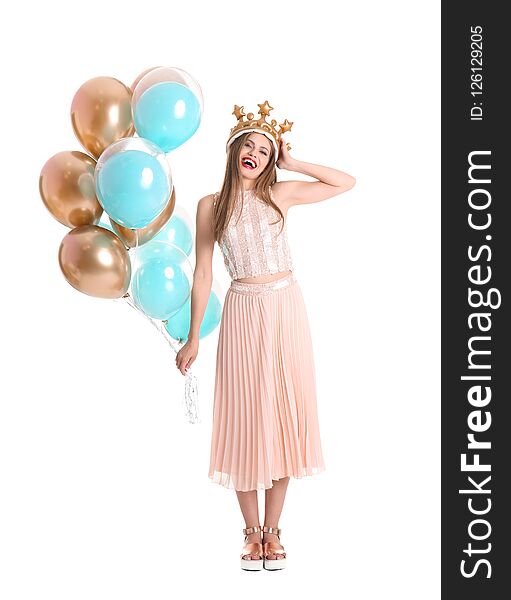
x=187 y=355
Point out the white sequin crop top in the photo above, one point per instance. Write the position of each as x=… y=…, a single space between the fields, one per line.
x=254 y=245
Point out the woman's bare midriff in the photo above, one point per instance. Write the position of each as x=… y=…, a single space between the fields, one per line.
x=265 y=278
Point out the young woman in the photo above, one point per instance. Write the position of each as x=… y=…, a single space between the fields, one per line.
x=265 y=421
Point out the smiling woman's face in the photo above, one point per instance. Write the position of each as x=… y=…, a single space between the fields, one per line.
x=254 y=155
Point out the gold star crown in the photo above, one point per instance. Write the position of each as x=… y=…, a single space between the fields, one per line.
x=259 y=125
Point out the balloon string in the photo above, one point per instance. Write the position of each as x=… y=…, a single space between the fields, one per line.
x=191 y=395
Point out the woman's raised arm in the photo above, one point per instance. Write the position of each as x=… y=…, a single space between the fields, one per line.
x=331 y=182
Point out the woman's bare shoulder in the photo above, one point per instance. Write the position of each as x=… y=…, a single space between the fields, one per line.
x=208 y=201
x=280 y=194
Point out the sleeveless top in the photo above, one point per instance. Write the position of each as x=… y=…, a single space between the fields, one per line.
x=253 y=245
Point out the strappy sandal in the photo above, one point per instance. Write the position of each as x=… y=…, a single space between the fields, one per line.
x=252 y=564
x=273 y=564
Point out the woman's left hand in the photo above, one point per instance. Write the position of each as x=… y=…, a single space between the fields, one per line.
x=285 y=160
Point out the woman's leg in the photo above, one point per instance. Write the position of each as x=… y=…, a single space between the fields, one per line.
x=274 y=502
x=250 y=509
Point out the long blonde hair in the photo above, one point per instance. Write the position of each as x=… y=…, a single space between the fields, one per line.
x=232 y=187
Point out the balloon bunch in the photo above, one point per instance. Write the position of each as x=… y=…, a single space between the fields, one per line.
x=127 y=133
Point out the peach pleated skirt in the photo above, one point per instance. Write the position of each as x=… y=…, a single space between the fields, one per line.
x=265 y=418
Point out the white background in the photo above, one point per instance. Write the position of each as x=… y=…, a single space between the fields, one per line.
x=104 y=487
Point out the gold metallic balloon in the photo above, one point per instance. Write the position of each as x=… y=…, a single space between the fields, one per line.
x=128 y=236
x=134 y=84
x=101 y=113
x=66 y=185
x=95 y=261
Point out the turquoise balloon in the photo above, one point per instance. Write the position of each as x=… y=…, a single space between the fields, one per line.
x=161 y=282
x=177 y=232
x=168 y=114
x=133 y=188
x=179 y=325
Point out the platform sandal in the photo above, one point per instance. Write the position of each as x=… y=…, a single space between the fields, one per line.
x=252 y=564
x=273 y=564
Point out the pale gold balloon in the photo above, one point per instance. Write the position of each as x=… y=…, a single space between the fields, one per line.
x=95 y=261
x=101 y=113
x=66 y=185
x=134 y=84
x=128 y=236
